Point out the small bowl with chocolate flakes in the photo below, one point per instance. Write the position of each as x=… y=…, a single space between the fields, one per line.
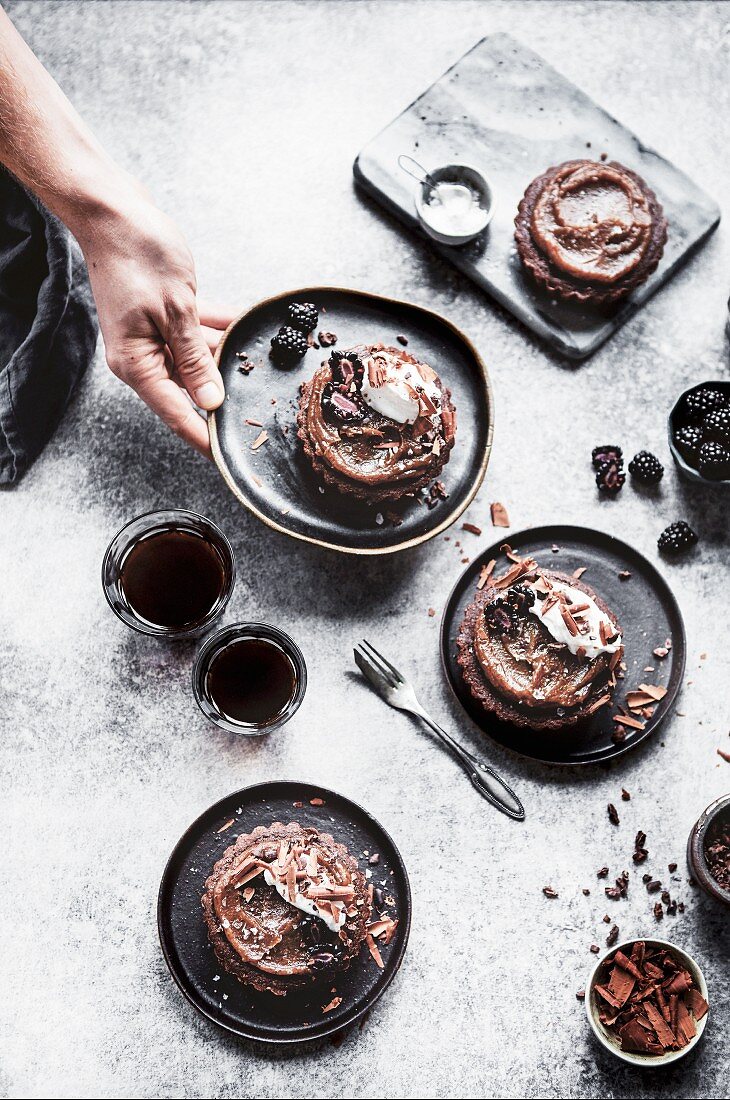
x=647 y=1002
x=708 y=850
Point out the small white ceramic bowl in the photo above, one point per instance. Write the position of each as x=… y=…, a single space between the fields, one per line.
x=609 y=1041
x=455 y=173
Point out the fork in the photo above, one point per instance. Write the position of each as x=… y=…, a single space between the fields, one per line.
x=397 y=692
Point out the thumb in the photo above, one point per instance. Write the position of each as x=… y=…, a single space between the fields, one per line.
x=194 y=363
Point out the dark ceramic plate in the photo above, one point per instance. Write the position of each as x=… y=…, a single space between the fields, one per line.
x=502 y=109
x=645 y=607
x=184 y=938
x=277 y=483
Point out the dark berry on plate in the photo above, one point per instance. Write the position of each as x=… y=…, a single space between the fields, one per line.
x=716 y=426
x=608 y=453
x=646 y=467
x=702 y=401
x=714 y=461
x=501 y=616
x=676 y=537
x=610 y=478
x=689 y=440
x=303 y=315
x=346 y=368
x=521 y=597
x=342 y=408
x=288 y=346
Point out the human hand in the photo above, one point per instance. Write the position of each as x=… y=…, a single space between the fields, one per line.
x=143 y=278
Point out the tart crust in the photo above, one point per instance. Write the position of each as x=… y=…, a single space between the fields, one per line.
x=568 y=287
x=267 y=840
x=499 y=705
x=412 y=480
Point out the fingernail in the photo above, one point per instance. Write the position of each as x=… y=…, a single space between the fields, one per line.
x=209 y=395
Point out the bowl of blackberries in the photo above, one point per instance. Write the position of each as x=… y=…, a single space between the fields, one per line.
x=699 y=433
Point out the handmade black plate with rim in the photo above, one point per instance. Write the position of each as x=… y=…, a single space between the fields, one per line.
x=184 y=938
x=646 y=609
x=276 y=482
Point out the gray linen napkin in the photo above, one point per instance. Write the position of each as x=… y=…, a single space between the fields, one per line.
x=48 y=325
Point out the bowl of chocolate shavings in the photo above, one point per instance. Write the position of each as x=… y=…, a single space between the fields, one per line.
x=647 y=1002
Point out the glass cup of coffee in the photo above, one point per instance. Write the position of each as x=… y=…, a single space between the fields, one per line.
x=249 y=678
x=169 y=574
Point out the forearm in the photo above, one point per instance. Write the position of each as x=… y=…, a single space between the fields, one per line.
x=45 y=143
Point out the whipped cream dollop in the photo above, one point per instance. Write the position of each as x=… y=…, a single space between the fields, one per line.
x=309 y=905
x=392 y=388
x=588 y=639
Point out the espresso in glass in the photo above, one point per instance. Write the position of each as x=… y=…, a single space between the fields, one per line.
x=169 y=573
x=249 y=678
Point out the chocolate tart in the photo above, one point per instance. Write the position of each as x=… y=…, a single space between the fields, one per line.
x=512 y=663
x=589 y=231
x=268 y=941
x=360 y=451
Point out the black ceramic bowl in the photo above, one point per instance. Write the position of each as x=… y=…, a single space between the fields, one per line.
x=677 y=419
x=701 y=835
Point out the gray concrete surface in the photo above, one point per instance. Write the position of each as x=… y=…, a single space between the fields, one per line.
x=244 y=120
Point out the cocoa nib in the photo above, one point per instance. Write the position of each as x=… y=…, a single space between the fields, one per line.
x=602 y=873
x=612 y=936
x=327 y=339
x=549 y=892
x=613 y=814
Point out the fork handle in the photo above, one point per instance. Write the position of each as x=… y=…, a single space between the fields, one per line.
x=484 y=778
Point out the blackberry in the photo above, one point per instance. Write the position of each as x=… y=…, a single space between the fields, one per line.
x=676 y=538
x=646 y=467
x=303 y=315
x=714 y=461
x=689 y=441
x=501 y=616
x=345 y=367
x=288 y=346
x=521 y=597
x=340 y=407
x=716 y=427
x=702 y=401
x=608 y=453
x=610 y=478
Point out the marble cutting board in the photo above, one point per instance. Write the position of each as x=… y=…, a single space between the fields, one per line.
x=503 y=109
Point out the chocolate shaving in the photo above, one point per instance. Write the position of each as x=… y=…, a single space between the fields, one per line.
x=373 y=948
x=485 y=573
x=259 y=440
x=472 y=527
x=500 y=517
x=613 y=814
